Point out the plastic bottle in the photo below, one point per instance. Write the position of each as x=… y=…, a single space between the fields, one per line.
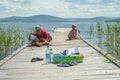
x=51 y=53
x=48 y=56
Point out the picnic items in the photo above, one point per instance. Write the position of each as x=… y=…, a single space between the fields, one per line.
x=71 y=51
x=60 y=58
x=69 y=57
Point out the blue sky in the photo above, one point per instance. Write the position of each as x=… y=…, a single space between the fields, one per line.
x=60 y=8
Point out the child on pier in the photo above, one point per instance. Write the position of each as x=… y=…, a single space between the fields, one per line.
x=73 y=33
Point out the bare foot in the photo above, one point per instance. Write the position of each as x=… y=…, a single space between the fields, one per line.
x=50 y=44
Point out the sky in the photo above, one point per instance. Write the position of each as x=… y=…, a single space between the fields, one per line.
x=60 y=8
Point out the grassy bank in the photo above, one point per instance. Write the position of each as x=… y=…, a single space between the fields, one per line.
x=10 y=40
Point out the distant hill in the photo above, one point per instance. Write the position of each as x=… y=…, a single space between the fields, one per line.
x=94 y=19
x=114 y=20
x=48 y=18
x=101 y=18
x=36 y=18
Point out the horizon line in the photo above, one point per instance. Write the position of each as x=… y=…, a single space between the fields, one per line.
x=60 y=17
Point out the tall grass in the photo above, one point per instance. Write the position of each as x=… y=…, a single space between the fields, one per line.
x=99 y=29
x=10 y=40
x=99 y=33
x=91 y=31
x=113 y=40
x=111 y=35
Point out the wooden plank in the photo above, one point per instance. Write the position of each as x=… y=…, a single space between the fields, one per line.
x=2 y=62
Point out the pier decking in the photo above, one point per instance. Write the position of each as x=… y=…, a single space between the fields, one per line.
x=93 y=67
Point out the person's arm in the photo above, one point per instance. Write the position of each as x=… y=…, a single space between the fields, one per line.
x=77 y=34
x=69 y=34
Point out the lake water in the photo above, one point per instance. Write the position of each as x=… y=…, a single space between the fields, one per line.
x=82 y=26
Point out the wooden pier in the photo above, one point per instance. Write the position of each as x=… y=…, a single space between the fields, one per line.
x=94 y=67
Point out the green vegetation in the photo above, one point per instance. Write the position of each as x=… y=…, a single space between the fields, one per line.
x=111 y=35
x=112 y=43
x=99 y=33
x=99 y=28
x=91 y=31
x=10 y=40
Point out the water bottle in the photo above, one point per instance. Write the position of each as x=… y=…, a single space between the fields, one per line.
x=51 y=54
x=48 y=56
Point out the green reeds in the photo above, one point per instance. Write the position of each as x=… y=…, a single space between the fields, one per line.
x=99 y=28
x=111 y=35
x=91 y=31
x=10 y=40
x=113 y=40
x=99 y=33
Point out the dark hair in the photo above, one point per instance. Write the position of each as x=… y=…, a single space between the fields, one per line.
x=73 y=25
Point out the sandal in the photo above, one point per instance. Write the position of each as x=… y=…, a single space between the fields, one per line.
x=33 y=60
x=39 y=59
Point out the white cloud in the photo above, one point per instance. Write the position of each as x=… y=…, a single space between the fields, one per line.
x=93 y=1
x=61 y=8
x=88 y=8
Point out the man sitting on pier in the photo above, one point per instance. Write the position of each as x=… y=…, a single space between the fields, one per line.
x=40 y=37
x=73 y=34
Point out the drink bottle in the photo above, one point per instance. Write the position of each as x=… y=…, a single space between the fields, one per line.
x=51 y=54
x=48 y=56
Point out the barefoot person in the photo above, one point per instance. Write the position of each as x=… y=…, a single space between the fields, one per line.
x=40 y=37
x=73 y=33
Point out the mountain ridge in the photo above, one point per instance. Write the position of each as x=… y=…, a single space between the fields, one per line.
x=49 y=18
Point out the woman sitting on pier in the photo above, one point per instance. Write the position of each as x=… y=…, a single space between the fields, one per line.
x=40 y=37
x=73 y=34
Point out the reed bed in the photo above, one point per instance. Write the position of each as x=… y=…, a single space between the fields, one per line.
x=109 y=37
x=112 y=35
x=10 y=40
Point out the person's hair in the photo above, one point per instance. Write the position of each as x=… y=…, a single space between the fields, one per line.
x=73 y=25
x=38 y=30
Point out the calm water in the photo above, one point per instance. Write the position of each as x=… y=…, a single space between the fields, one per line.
x=83 y=27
